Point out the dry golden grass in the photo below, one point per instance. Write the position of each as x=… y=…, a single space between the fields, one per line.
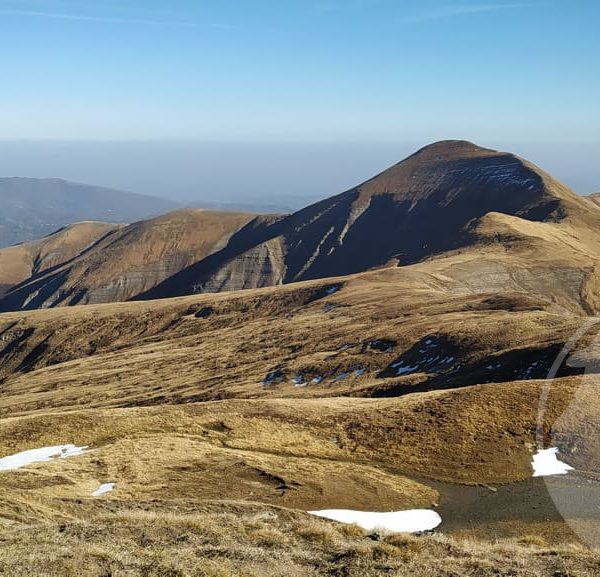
x=364 y=454
x=237 y=539
x=172 y=408
x=321 y=452
x=159 y=353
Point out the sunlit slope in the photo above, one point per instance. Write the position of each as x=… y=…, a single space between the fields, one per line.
x=21 y=262
x=129 y=261
x=439 y=324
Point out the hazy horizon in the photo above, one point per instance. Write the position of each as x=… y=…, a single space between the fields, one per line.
x=284 y=175
x=290 y=102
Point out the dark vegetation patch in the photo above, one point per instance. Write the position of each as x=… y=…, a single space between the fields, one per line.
x=204 y=313
x=324 y=292
x=275 y=376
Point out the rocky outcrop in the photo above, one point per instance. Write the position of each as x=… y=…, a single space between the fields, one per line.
x=259 y=267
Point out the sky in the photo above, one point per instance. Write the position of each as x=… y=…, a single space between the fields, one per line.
x=142 y=80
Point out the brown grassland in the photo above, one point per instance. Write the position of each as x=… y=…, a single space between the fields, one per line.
x=223 y=419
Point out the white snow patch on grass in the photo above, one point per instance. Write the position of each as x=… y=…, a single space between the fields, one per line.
x=42 y=455
x=103 y=489
x=413 y=521
x=546 y=464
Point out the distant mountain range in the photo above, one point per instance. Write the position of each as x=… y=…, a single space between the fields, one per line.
x=33 y=208
x=450 y=196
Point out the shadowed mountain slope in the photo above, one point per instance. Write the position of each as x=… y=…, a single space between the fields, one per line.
x=32 y=208
x=450 y=196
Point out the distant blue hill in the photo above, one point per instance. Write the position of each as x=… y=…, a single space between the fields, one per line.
x=31 y=208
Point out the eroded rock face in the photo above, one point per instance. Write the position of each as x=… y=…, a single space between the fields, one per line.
x=132 y=283
x=259 y=267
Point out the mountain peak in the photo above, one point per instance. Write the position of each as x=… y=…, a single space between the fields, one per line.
x=450 y=170
x=454 y=149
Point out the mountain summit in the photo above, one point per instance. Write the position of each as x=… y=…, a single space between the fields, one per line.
x=415 y=209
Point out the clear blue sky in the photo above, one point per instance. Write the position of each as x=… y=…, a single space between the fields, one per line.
x=301 y=70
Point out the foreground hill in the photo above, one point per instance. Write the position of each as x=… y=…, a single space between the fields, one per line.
x=129 y=260
x=32 y=208
x=414 y=387
x=243 y=539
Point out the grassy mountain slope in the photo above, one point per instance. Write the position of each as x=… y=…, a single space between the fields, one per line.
x=130 y=260
x=20 y=262
x=419 y=208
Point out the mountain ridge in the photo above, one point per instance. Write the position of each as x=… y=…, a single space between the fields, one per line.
x=439 y=200
x=128 y=260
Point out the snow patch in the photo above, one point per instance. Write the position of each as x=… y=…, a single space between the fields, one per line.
x=413 y=521
x=103 y=489
x=42 y=455
x=546 y=463
x=402 y=370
